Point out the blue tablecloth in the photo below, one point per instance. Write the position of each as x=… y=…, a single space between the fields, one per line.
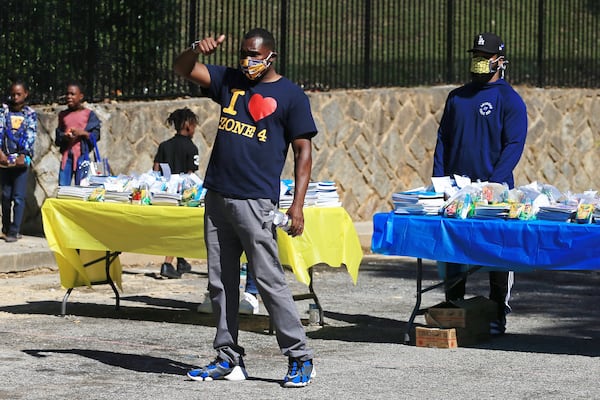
x=502 y=244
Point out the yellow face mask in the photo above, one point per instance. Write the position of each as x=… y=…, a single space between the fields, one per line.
x=482 y=65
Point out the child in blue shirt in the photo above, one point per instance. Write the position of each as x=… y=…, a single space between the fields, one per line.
x=18 y=129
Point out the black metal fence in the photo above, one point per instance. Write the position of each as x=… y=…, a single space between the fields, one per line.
x=125 y=48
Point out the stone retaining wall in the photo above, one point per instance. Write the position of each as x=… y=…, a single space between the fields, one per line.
x=371 y=142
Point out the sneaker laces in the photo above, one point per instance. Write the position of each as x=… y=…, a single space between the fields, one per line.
x=293 y=366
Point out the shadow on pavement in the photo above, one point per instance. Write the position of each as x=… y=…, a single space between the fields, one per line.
x=172 y=311
x=133 y=362
x=543 y=344
x=384 y=330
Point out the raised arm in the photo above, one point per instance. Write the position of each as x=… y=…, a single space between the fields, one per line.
x=187 y=66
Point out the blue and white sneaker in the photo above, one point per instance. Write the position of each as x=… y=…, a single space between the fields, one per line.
x=300 y=373
x=219 y=369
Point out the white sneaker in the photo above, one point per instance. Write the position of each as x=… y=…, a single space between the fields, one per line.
x=249 y=304
x=206 y=306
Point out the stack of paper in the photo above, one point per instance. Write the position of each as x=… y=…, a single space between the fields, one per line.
x=432 y=202
x=407 y=203
x=596 y=216
x=74 y=192
x=310 y=199
x=557 y=212
x=285 y=201
x=112 y=196
x=327 y=195
x=485 y=211
x=415 y=209
x=165 y=199
x=417 y=202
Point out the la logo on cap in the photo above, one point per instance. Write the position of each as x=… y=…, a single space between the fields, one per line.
x=481 y=42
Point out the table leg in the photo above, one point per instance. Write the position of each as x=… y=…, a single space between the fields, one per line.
x=420 y=290
x=417 y=307
x=63 y=309
x=311 y=295
x=110 y=257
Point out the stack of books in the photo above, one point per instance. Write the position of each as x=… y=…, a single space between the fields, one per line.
x=285 y=193
x=327 y=195
x=165 y=199
x=74 y=192
x=113 y=196
x=485 y=211
x=418 y=202
x=320 y=194
x=557 y=212
x=407 y=203
x=432 y=202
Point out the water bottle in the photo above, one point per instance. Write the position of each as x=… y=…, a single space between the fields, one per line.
x=243 y=276
x=314 y=315
x=146 y=198
x=281 y=220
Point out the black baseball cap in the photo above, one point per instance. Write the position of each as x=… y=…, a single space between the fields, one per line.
x=488 y=43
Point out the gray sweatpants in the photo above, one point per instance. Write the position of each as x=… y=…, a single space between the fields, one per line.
x=232 y=226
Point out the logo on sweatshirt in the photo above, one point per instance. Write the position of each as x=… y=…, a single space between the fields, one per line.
x=485 y=108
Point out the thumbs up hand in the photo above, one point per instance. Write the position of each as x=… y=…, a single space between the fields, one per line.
x=207 y=45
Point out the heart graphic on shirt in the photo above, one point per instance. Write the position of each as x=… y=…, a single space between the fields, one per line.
x=261 y=107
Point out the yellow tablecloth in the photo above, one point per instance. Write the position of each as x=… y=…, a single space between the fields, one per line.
x=329 y=237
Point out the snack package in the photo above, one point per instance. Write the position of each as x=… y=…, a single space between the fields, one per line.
x=516 y=209
x=461 y=205
x=584 y=213
x=465 y=207
x=527 y=212
x=494 y=192
x=553 y=194
x=97 y=194
x=450 y=209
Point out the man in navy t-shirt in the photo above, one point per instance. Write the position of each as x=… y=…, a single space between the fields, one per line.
x=262 y=114
x=481 y=135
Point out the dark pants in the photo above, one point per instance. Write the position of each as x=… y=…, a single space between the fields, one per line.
x=500 y=285
x=14 y=190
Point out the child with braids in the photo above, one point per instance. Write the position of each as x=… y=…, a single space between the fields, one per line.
x=181 y=154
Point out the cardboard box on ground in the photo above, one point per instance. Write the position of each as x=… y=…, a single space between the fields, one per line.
x=436 y=337
x=470 y=318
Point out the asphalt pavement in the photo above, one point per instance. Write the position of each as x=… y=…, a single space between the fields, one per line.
x=142 y=351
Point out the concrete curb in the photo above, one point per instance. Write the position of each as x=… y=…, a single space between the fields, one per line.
x=29 y=252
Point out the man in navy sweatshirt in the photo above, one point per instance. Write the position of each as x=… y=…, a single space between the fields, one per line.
x=481 y=135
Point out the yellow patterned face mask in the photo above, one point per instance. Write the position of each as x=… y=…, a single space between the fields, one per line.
x=482 y=65
x=254 y=69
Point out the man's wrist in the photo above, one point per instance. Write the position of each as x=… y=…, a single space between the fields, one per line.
x=195 y=47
